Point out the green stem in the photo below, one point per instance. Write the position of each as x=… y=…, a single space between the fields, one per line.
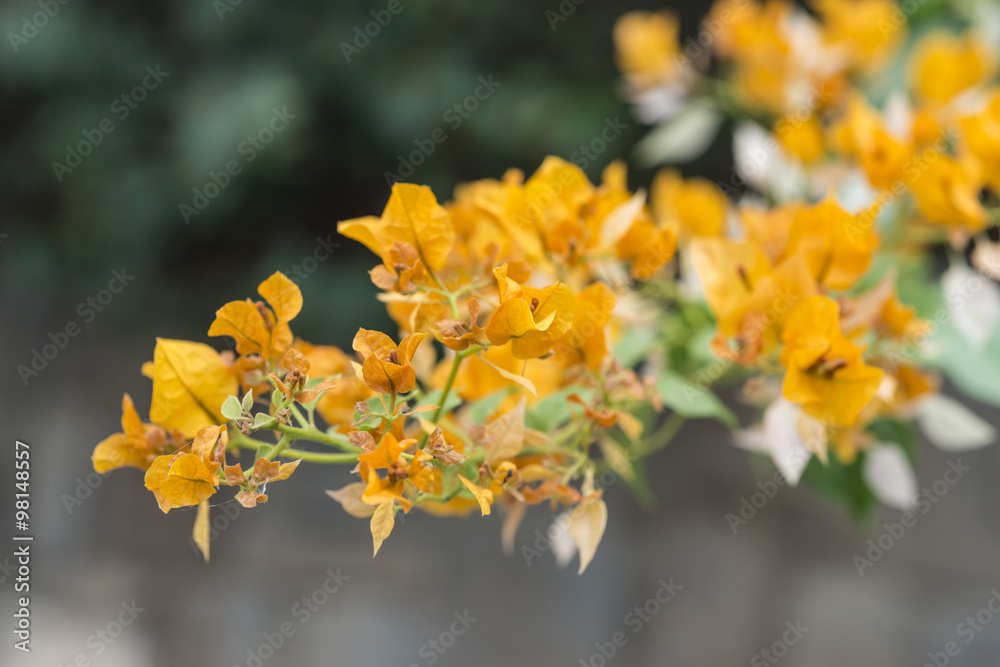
x=299 y=416
x=320 y=457
x=338 y=441
x=280 y=447
x=241 y=441
x=459 y=357
x=663 y=435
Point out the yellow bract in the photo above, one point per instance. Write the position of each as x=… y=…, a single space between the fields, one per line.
x=256 y=329
x=944 y=65
x=190 y=383
x=586 y=341
x=387 y=368
x=836 y=245
x=180 y=480
x=647 y=48
x=982 y=137
x=135 y=447
x=336 y=405
x=866 y=29
x=413 y=217
x=696 y=205
x=826 y=374
x=483 y=496
x=947 y=191
x=531 y=319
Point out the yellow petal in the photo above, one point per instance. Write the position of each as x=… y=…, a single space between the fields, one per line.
x=242 y=321
x=414 y=216
x=285 y=299
x=114 y=452
x=188 y=481
x=190 y=383
x=362 y=230
x=155 y=476
x=283 y=295
x=131 y=423
x=483 y=496
x=200 y=533
x=533 y=332
x=381 y=524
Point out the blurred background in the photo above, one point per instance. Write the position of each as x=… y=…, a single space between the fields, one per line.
x=197 y=146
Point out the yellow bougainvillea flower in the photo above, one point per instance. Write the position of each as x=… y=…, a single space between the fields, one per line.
x=412 y=217
x=836 y=245
x=646 y=47
x=944 y=65
x=867 y=30
x=505 y=205
x=728 y=271
x=586 y=341
x=861 y=133
x=750 y=299
x=529 y=318
x=696 y=205
x=183 y=479
x=826 y=374
x=190 y=383
x=294 y=384
x=420 y=473
x=553 y=198
x=768 y=227
x=982 y=138
x=647 y=247
x=256 y=328
x=456 y=334
x=136 y=446
x=768 y=307
x=947 y=191
x=387 y=367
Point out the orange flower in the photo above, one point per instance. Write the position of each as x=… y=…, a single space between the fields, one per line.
x=136 y=446
x=256 y=328
x=531 y=319
x=826 y=374
x=387 y=368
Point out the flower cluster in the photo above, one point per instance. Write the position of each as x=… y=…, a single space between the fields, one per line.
x=858 y=149
x=551 y=332
x=507 y=299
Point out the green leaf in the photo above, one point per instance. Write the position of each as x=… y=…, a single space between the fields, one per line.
x=973 y=371
x=434 y=398
x=842 y=484
x=553 y=410
x=689 y=400
x=231 y=408
x=263 y=420
x=247 y=401
x=634 y=346
x=902 y=433
x=482 y=409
